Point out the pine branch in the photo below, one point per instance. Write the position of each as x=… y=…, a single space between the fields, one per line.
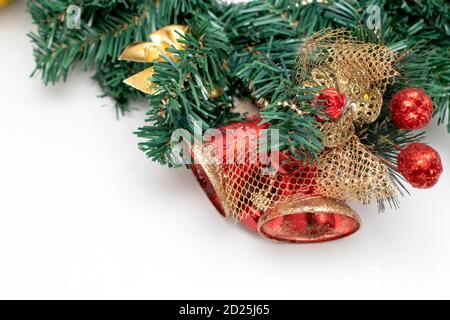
x=267 y=36
x=107 y=27
x=102 y=35
x=184 y=97
x=110 y=77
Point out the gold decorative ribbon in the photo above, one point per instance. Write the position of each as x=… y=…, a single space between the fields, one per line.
x=161 y=40
x=347 y=170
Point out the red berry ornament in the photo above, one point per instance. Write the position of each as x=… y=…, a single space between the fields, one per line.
x=420 y=164
x=332 y=102
x=411 y=109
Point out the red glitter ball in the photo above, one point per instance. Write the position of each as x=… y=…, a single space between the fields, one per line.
x=411 y=109
x=332 y=102
x=420 y=164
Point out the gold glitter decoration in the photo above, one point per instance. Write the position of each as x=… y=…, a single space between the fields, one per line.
x=367 y=109
x=352 y=172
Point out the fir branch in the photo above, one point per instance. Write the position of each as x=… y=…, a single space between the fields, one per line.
x=103 y=34
x=110 y=77
x=267 y=36
x=107 y=27
x=184 y=97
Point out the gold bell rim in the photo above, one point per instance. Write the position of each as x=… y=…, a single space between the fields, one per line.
x=310 y=220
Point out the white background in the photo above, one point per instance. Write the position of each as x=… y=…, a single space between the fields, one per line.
x=84 y=214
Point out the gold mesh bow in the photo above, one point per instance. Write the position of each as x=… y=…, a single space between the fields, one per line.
x=161 y=40
x=334 y=59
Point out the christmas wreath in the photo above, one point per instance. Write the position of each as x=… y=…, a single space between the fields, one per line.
x=341 y=88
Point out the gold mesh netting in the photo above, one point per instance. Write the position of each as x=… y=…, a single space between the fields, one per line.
x=339 y=132
x=361 y=71
x=352 y=172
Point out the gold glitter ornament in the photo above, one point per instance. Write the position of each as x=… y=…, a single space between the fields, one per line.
x=368 y=108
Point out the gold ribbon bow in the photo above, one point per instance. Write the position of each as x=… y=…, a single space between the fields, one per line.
x=161 y=40
x=347 y=170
